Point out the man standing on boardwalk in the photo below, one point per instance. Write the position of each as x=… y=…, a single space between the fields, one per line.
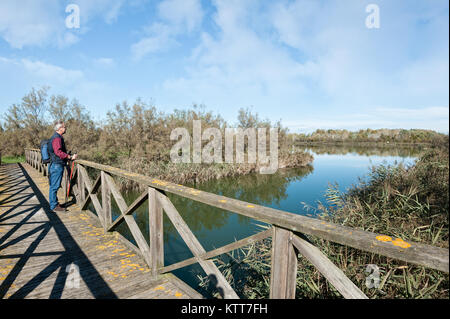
x=58 y=158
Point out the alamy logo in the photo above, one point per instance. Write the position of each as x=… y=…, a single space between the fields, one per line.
x=373 y=19
x=213 y=151
x=373 y=279
x=73 y=276
x=73 y=19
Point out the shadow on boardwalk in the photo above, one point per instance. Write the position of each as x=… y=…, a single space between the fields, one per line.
x=45 y=255
x=25 y=205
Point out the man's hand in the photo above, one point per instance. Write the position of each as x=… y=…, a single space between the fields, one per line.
x=73 y=157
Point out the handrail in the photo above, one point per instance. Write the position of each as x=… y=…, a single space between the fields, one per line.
x=417 y=253
x=286 y=230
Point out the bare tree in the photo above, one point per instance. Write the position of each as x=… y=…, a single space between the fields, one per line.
x=26 y=122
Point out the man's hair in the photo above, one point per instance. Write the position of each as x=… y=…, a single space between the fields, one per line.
x=58 y=124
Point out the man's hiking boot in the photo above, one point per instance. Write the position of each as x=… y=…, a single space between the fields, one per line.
x=59 y=208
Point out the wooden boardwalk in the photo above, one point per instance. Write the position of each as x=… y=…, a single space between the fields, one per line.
x=67 y=255
x=42 y=254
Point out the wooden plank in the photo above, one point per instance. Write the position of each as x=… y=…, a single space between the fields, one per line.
x=183 y=286
x=130 y=210
x=87 y=182
x=156 y=231
x=39 y=159
x=416 y=253
x=329 y=270
x=196 y=248
x=219 y=251
x=64 y=183
x=81 y=184
x=181 y=226
x=283 y=275
x=72 y=180
x=93 y=190
x=129 y=219
x=125 y=241
x=77 y=198
x=106 y=199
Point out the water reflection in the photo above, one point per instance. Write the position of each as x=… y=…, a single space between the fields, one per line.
x=254 y=188
x=262 y=189
x=379 y=150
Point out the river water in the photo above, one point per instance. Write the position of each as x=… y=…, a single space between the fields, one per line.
x=293 y=190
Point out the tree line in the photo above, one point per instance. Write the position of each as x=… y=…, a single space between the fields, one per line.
x=136 y=130
x=415 y=136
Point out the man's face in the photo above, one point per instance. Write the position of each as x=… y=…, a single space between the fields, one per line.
x=62 y=129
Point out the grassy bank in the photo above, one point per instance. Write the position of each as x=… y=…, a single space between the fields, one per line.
x=406 y=202
x=12 y=159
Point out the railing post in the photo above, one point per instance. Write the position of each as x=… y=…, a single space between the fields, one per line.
x=80 y=183
x=283 y=276
x=330 y=271
x=156 y=232
x=64 y=182
x=106 y=201
x=39 y=159
x=129 y=219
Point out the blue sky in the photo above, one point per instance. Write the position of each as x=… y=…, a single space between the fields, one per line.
x=311 y=63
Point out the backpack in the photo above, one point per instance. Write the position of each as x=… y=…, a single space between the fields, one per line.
x=45 y=154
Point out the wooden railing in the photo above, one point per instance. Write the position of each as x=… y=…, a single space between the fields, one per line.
x=287 y=231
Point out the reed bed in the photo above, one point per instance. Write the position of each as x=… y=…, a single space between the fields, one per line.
x=406 y=202
x=193 y=173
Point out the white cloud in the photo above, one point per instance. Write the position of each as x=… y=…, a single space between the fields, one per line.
x=294 y=21
x=185 y=14
x=108 y=10
x=422 y=114
x=306 y=57
x=23 y=74
x=426 y=77
x=40 y=73
x=28 y=22
x=49 y=72
x=238 y=67
x=42 y=22
x=176 y=17
x=161 y=38
x=104 y=62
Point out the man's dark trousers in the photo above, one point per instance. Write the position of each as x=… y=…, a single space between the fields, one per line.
x=56 y=173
